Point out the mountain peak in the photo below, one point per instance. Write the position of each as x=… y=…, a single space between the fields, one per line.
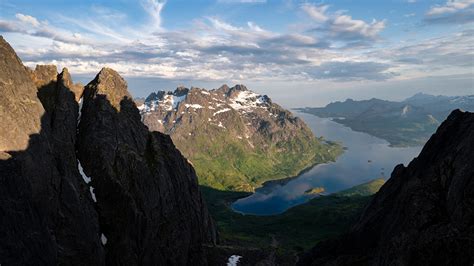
x=109 y=83
x=239 y=87
x=224 y=87
x=236 y=116
x=64 y=78
x=181 y=91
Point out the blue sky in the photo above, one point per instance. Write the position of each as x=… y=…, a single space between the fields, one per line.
x=299 y=52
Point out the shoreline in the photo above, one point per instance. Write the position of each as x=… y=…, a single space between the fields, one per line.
x=390 y=142
x=283 y=181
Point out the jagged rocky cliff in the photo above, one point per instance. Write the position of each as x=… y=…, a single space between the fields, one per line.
x=235 y=138
x=137 y=201
x=423 y=215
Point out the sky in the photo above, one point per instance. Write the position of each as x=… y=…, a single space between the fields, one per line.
x=300 y=53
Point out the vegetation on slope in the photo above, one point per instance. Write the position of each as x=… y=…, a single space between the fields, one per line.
x=297 y=229
x=235 y=138
x=238 y=167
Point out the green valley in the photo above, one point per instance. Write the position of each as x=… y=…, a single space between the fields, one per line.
x=297 y=229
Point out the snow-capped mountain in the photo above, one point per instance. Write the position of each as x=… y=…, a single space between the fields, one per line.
x=246 y=126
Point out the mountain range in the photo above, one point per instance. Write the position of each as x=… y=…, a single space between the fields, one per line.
x=407 y=123
x=83 y=181
x=235 y=138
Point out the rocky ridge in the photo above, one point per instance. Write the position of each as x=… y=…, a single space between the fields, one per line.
x=136 y=199
x=262 y=140
x=423 y=215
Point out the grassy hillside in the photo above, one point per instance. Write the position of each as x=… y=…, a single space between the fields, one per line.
x=297 y=229
x=364 y=189
x=237 y=167
x=235 y=138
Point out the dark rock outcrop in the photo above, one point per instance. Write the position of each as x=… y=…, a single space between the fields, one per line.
x=47 y=215
x=423 y=215
x=148 y=207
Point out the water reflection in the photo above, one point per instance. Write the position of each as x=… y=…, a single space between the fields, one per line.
x=366 y=158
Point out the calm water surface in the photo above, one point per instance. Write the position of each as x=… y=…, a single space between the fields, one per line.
x=366 y=158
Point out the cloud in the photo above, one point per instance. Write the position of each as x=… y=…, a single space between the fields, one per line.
x=29 y=25
x=349 y=70
x=154 y=8
x=28 y=19
x=341 y=27
x=450 y=7
x=317 y=13
x=452 y=12
x=344 y=27
x=213 y=49
x=451 y=54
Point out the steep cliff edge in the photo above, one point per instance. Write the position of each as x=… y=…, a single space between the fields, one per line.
x=150 y=207
x=47 y=214
x=140 y=202
x=423 y=215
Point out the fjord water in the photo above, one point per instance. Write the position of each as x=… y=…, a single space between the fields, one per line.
x=366 y=158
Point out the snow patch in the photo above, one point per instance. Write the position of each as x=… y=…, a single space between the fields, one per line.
x=81 y=171
x=168 y=103
x=205 y=92
x=103 y=239
x=246 y=100
x=405 y=110
x=91 y=189
x=140 y=108
x=81 y=102
x=195 y=106
x=233 y=260
x=221 y=125
x=221 y=111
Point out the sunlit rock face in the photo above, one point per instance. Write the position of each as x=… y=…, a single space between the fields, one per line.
x=235 y=138
x=21 y=110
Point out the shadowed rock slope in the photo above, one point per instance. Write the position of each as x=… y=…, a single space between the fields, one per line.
x=149 y=203
x=423 y=215
x=139 y=204
x=47 y=216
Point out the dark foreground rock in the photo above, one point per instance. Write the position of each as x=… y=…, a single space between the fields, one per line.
x=47 y=214
x=149 y=203
x=147 y=208
x=423 y=215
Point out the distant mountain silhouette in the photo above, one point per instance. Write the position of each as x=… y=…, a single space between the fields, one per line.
x=407 y=123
